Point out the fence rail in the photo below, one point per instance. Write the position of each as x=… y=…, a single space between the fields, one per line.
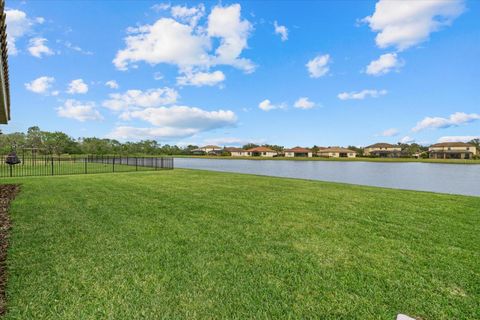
x=62 y=165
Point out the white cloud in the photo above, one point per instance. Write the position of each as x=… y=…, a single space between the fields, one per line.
x=281 y=30
x=304 y=103
x=37 y=47
x=161 y=7
x=112 y=84
x=457 y=138
x=77 y=86
x=384 y=64
x=185 y=117
x=190 y=15
x=403 y=24
x=18 y=26
x=40 y=85
x=201 y=78
x=174 y=122
x=73 y=47
x=173 y=42
x=453 y=120
x=318 y=66
x=266 y=105
x=133 y=99
x=81 y=111
x=361 y=94
x=389 y=132
x=157 y=76
x=407 y=139
x=134 y=133
x=231 y=141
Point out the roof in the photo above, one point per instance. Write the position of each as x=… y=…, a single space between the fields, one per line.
x=210 y=147
x=233 y=149
x=452 y=144
x=4 y=79
x=383 y=145
x=261 y=149
x=336 y=149
x=298 y=150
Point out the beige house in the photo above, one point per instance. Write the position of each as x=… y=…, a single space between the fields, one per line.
x=4 y=81
x=298 y=152
x=452 y=150
x=208 y=150
x=237 y=152
x=383 y=150
x=336 y=152
x=262 y=152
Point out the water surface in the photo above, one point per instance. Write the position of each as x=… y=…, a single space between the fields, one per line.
x=445 y=178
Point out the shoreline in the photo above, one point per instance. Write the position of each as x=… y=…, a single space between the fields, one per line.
x=359 y=159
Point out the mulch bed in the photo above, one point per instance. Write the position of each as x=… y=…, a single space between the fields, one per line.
x=7 y=194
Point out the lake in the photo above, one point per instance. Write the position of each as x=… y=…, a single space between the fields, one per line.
x=434 y=177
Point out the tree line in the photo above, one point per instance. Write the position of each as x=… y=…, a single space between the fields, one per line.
x=45 y=142
x=57 y=142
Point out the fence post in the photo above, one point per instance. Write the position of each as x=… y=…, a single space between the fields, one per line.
x=161 y=162
x=51 y=158
x=113 y=164
x=85 y=161
x=156 y=161
x=10 y=170
x=136 y=163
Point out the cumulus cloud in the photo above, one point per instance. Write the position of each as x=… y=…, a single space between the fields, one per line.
x=77 y=86
x=453 y=120
x=190 y=15
x=112 y=84
x=19 y=25
x=174 y=122
x=318 y=66
x=407 y=139
x=81 y=111
x=199 y=79
x=281 y=30
x=231 y=141
x=304 y=103
x=361 y=94
x=403 y=24
x=389 y=132
x=457 y=138
x=384 y=64
x=173 y=41
x=141 y=99
x=76 y=48
x=38 y=48
x=266 y=105
x=40 y=85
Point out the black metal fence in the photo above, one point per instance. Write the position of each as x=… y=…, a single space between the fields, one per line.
x=50 y=165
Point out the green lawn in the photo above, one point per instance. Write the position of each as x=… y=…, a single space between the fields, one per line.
x=196 y=244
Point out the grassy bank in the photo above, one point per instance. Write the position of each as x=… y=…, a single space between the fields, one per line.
x=197 y=244
x=450 y=161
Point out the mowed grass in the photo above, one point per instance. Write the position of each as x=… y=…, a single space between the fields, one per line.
x=188 y=244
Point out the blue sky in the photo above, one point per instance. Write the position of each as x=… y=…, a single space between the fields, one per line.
x=289 y=73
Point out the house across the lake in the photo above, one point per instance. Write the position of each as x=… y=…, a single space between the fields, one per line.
x=298 y=152
x=262 y=152
x=336 y=152
x=236 y=152
x=208 y=150
x=452 y=150
x=383 y=150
